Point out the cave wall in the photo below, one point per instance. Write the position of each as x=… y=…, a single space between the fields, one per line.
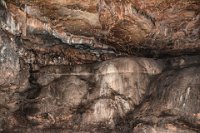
x=100 y=66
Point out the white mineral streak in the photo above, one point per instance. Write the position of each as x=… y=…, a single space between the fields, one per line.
x=103 y=110
x=181 y=99
x=91 y=18
x=112 y=80
x=27 y=9
x=35 y=24
x=72 y=39
x=2 y=56
x=123 y=76
x=187 y=93
x=11 y=25
x=15 y=21
x=184 y=105
x=3 y=50
x=2 y=2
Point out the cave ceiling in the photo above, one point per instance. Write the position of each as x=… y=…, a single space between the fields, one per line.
x=151 y=28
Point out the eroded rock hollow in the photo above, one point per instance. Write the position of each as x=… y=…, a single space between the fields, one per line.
x=121 y=66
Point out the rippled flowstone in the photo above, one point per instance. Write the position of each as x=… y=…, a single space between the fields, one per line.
x=114 y=95
x=97 y=93
x=99 y=66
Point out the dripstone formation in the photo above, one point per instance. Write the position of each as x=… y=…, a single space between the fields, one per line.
x=99 y=66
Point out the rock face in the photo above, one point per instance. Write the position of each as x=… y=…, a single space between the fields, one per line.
x=130 y=26
x=173 y=96
x=104 y=92
x=100 y=66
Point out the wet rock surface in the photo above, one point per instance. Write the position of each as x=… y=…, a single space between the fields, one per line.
x=99 y=66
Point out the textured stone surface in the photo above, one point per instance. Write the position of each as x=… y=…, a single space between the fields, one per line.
x=99 y=66
x=104 y=92
x=170 y=103
x=130 y=26
x=9 y=60
x=120 y=95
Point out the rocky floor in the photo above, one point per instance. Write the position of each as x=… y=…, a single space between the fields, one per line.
x=69 y=67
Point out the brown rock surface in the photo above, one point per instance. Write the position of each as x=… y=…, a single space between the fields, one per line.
x=124 y=66
x=162 y=27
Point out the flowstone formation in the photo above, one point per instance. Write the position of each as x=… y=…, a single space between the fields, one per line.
x=121 y=66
